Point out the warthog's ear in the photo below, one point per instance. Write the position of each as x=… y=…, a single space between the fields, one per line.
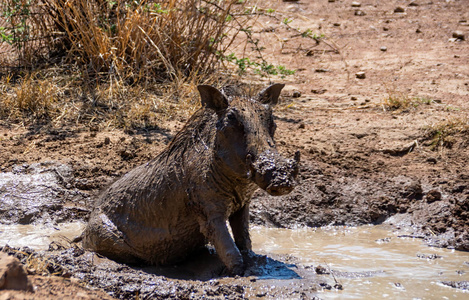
x=212 y=98
x=270 y=94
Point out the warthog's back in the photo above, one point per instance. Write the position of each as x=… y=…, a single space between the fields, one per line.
x=146 y=215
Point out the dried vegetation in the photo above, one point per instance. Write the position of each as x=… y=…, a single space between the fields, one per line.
x=443 y=134
x=399 y=101
x=119 y=63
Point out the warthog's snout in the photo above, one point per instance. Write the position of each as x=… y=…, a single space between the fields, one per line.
x=274 y=173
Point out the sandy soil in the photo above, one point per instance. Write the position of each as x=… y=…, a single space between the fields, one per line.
x=363 y=161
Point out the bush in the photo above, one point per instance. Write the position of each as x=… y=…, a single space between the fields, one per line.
x=132 y=40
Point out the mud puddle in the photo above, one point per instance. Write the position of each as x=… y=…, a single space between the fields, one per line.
x=38 y=237
x=367 y=262
x=370 y=262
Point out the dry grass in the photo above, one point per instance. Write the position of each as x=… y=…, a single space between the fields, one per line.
x=135 y=107
x=398 y=101
x=30 y=99
x=36 y=264
x=41 y=266
x=442 y=134
x=59 y=100
x=112 y=63
x=133 y=41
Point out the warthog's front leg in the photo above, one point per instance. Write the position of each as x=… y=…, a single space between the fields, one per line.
x=239 y=222
x=217 y=233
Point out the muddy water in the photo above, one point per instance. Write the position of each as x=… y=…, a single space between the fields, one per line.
x=38 y=237
x=370 y=262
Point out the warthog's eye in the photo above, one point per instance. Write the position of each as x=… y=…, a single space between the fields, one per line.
x=232 y=118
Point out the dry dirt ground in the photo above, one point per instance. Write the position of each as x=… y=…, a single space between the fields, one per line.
x=390 y=147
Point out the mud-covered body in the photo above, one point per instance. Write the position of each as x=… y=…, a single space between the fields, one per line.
x=162 y=211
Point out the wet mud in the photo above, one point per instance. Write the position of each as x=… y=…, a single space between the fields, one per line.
x=41 y=193
x=337 y=261
x=328 y=195
x=203 y=276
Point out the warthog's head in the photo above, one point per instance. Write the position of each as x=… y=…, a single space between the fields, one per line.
x=245 y=137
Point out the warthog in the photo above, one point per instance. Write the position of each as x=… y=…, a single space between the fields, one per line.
x=165 y=209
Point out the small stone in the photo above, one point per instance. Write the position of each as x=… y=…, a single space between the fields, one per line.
x=302 y=126
x=360 y=75
x=107 y=140
x=331 y=1
x=399 y=10
x=399 y=285
x=458 y=35
x=356 y=4
x=383 y=240
x=429 y=256
x=433 y=196
x=320 y=70
x=413 y=3
x=269 y=29
x=321 y=270
x=385 y=28
x=127 y=154
x=413 y=190
x=353 y=98
x=432 y=160
x=13 y=275
x=384 y=49
x=418 y=30
x=318 y=91
x=360 y=13
x=336 y=24
x=296 y=94
x=338 y=286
